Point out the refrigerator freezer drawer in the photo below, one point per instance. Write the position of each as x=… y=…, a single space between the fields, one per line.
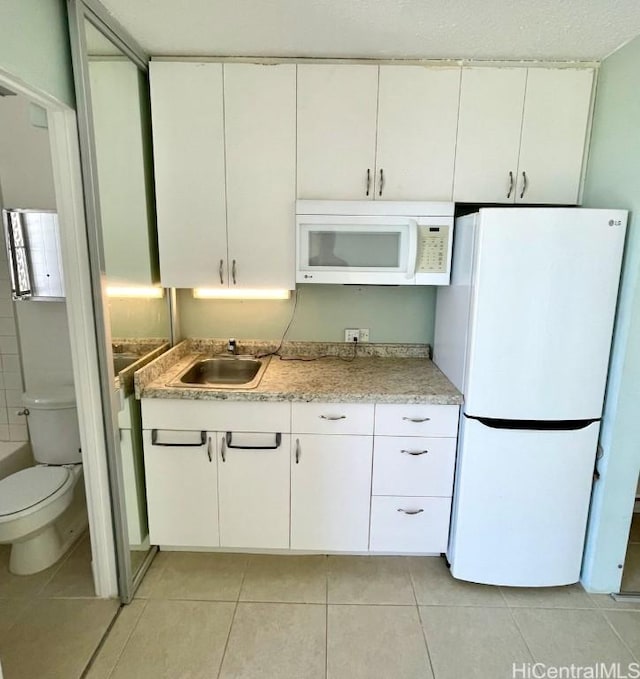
x=520 y=504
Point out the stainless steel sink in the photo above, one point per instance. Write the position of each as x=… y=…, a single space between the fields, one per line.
x=223 y=372
x=123 y=360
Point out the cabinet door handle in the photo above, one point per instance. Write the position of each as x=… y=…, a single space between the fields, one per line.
x=233 y=271
x=524 y=184
x=333 y=418
x=297 y=451
x=155 y=442
x=416 y=419
x=411 y=512
x=381 y=182
x=414 y=452
x=368 y=180
x=223 y=449
x=220 y=271
x=510 y=184
x=209 y=451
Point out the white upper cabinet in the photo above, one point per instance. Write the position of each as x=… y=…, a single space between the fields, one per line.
x=188 y=141
x=522 y=134
x=260 y=142
x=369 y=132
x=417 y=121
x=491 y=105
x=554 y=129
x=336 y=131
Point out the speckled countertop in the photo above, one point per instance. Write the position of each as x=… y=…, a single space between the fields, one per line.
x=378 y=373
x=148 y=348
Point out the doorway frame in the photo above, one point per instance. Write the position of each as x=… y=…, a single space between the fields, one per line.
x=65 y=161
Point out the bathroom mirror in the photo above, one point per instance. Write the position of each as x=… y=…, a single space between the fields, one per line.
x=112 y=93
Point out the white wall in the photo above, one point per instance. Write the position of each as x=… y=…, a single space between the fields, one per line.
x=35 y=45
x=26 y=181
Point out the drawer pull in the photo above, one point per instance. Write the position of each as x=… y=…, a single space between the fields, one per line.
x=155 y=442
x=416 y=419
x=209 y=450
x=414 y=452
x=333 y=418
x=276 y=444
x=297 y=451
x=223 y=449
x=411 y=512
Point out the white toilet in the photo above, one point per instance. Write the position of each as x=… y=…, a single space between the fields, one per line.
x=33 y=500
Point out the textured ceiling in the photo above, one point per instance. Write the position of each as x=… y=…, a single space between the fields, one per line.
x=430 y=29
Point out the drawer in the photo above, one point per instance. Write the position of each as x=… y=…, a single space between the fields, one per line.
x=416 y=420
x=409 y=524
x=158 y=413
x=413 y=466
x=332 y=418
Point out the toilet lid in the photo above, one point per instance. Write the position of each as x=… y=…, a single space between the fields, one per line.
x=30 y=486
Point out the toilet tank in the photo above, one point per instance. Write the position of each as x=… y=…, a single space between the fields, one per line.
x=53 y=425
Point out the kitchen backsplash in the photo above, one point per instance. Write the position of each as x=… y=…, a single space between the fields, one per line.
x=393 y=314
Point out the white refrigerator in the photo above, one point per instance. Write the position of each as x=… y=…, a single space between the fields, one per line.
x=524 y=331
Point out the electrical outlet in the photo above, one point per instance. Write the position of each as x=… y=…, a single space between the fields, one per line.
x=351 y=335
x=356 y=335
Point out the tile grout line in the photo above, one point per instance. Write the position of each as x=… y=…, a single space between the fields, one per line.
x=126 y=643
x=233 y=618
x=326 y=617
x=101 y=643
x=424 y=631
x=618 y=635
x=520 y=632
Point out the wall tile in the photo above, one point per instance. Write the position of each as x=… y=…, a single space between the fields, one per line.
x=8 y=345
x=13 y=397
x=18 y=432
x=11 y=363
x=12 y=380
x=7 y=327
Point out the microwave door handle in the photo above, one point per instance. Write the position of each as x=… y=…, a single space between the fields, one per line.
x=413 y=248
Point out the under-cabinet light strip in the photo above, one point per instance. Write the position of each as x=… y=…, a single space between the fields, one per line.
x=214 y=293
x=134 y=291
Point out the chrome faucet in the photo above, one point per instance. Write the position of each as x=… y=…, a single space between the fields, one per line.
x=232 y=347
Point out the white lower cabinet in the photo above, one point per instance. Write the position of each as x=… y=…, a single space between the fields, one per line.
x=331 y=486
x=410 y=524
x=330 y=492
x=182 y=481
x=253 y=490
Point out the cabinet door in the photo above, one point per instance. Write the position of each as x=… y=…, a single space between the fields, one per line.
x=260 y=142
x=491 y=104
x=330 y=492
x=417 y=121
x=336 y=130
x=188 y=143
x=182 y=481
x=254 y=490
x=554 y=130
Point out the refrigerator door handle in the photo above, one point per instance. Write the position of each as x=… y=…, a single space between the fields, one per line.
x=534 y=425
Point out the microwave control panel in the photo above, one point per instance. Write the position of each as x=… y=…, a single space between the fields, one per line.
x=433 y=248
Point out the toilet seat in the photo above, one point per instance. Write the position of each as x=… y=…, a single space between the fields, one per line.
x=30 y=487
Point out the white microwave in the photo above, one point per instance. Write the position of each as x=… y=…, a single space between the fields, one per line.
x=374 y=242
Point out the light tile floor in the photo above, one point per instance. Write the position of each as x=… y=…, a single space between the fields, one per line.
x=50 y=623
x=631 y=574
x=227 y=616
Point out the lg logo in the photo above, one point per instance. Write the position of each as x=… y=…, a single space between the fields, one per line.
x=615 y=222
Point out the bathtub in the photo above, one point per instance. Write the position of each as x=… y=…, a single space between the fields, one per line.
x=14 y=456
